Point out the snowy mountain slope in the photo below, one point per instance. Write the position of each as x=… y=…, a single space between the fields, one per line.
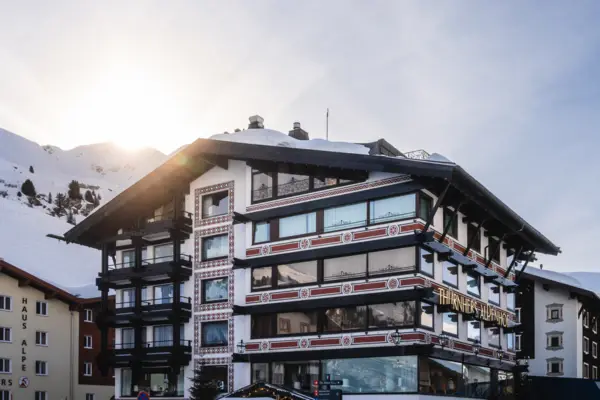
x=102 y=167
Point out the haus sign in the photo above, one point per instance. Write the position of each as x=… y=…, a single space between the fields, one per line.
x=463 y=304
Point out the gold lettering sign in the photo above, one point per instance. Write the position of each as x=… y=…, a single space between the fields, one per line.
x=464 y=304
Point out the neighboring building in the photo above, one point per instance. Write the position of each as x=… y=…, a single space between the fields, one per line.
x=41 y=341
x=559 y=332
x=384 y=271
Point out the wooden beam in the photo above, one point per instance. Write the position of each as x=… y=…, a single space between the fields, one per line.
x=24 y=282
x=50 y=295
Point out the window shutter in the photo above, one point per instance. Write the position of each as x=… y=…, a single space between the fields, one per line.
x=560 y=313
x=560 y=340
x=548 y=367
x=548 y=313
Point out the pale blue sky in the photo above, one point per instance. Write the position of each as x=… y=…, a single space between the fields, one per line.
x=510 y=90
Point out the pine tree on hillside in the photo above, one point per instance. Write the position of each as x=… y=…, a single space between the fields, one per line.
x=31 y=169
x=27 y=188
x=49 y=198
x=59 y=202
x=203 y=388
x=74 y=190
x=88 y=196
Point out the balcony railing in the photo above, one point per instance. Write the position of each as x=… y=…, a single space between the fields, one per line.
x=167 y=217
x=151 y=302
x=150 y=261
x=153 y=344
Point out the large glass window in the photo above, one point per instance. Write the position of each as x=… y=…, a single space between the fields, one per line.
x=214 y=333
x=218 y=373
x=297 y=225
x=291 y=183
x=262 y=185
x=262 y=232
x=474 y=235
x=450 y=273
x=450 y=323
x=163 y=294
x=426 y=261
x=126 y=382
x=324 y=182
x=215 y=247
x=451 y=220
x=510 y=341
x=260 y=372
x=474 y=331
x=163 y=335
x=426 y=315
x=374 y=375
x=296 y=274
x=440 y=376
x=163 y=253
x=345 y=319
x=477 y=381
x=129 y=258
x=493 y=336
x=391 y=315
x=297 y=322
x=474 y=284
x=494 y=294
x=425 y=206
x=345 y=217
x=158 y=385
x=392 y=261
x=262 y=326
x=493 y=249
x=298 y=375
x=349 y=267
x=215 y=204
x=392 y=208
x=261 y=278
x=127 y=338
x=510 y=301
x=215 y=290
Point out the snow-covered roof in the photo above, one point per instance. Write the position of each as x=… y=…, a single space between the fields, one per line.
x=554 y=276
x=270 y=137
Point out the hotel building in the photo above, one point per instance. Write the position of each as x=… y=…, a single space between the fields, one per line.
x=263 y=256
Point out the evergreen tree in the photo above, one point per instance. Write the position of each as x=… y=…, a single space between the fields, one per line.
x=203 y=388
x=59 y=202
x=31 y=169
x=74 y=190
x=27 y=188
x=88 y=196
x=49 y=197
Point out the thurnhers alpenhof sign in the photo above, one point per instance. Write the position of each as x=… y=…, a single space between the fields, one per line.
x=461 y=303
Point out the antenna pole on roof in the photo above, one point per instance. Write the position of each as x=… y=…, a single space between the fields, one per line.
x=327 y=125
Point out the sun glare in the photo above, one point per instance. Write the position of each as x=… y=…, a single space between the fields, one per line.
x=130 y=109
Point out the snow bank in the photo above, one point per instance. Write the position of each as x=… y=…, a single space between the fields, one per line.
x=269 y=137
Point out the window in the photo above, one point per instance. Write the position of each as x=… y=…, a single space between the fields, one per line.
x=5 y=303
x=297 y=322
x=128 y=257
x=41 y=338
x=493 y=337
x=451 y=220
x=554 y=366
x=295 y=225
x=41 y=368
x=510 y=301
x=87 y=342
x=41 y=395
x=586 y=371
x=474 y=331
x=594 y=372
x=218 y=374
x=517 y=342
x=126 y=382
x=87 y=369
x=426 y=261
x=214 y=333
x=215 y=204
x=510 y=341
x=474 y=284
x=450 y=273
x=392 y=261
x=494 y=294
x=297 y=273
x=586 y=345
x=5 y=366
x=319 y=183
x=494 y=249
x=554 y=313
x=90 y=396
x=163 y=253
x=345 y=217
x=474 y=235
x=215 y=247
x=345 y=319
x=349 y=267
x=5 y=395
x=450 y=323
x=554 y=340
x=518 y=315
x=163 y=335
x=426 y=320
x=392 y=208
x=288 y=184
x=262 y=185
x=390 y=315
x=586 y=319
x=5 y=334
x=163 y=294
x=425 y=206
x=88 y=315
x=262 y=278
x=595 y=325
x=215 y=290
x=261 y=326
x=41 y=308
x=128 y=338
x=594 y=349
x=262 y=232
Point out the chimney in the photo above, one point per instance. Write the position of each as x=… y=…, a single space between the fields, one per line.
x=256 y=122
x=298 y=132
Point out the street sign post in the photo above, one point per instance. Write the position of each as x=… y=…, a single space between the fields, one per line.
x=143 y=396
x=324 y=391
